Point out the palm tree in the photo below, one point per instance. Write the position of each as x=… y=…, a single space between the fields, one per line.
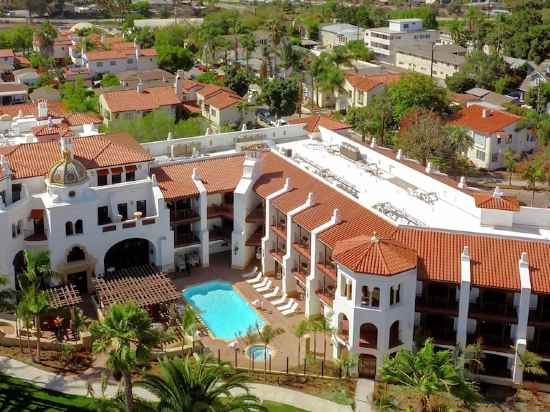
x=347 y=361
x=428 y=372
x=248 y=42
x=200 y=384
x=266 y=335
x=510 y=163
x=299 y=331
x=532 y=173
x=25 y=316
x=324 y=325
x=35 y=303
x=188 y=326
x=127 y=336
x=236 y=29
x=313 y=326
x=37 y=272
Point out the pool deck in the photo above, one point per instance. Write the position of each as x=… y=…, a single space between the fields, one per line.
x=284 y=344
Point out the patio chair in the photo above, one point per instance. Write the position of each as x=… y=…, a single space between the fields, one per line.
x=261 y=284
x=250 y=274
x=287 y=305
x=266 y=287
x=290 y=310
x=256 y=279
x=272 y=294
x=280 y=300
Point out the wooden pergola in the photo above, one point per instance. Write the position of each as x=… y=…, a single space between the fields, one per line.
x=146 y=286
x=63 y=296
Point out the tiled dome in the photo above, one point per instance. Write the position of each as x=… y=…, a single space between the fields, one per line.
x=67 y=172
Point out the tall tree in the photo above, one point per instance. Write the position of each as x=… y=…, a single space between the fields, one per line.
x=324 y=325
x=35 y=303
x=127 y=336
x=248 y=42
x=299 y=331
x=266 y=335
x=532 y=174
x=191 y=384
x=510 y=161
x=281 y=96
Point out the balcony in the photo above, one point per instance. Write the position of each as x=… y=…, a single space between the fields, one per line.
x=257 y=215
x=186 y=239
x=279 y=230
x=328 y=269
x=300 y=275
x=302 y=249
x=224 y=210
x=494 y=311
x=326 y=295
x=184 y=216
x=493 y=336
x=36 y=237
x=256 y=238
x=277 y=255
x=437 y=305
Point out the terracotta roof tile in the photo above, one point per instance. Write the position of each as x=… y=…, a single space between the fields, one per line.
x=6 y=53
x=35 y=159
x=222 y=99
x=55 y=109
x=368 y=82
x=79 y=119
x=471 y=117
x=489 y=201
x=374 y=255
x=218 y=175
x=51 y=132
x=312 y=123
x=150 y=99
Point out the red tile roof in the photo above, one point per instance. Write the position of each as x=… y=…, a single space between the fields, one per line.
x=51 y=132
x=220 y=174
x=55 y=109
x=35 y=159
x=471 y=117
x=312 y=123
x=6 y=53
x=374 y=255
x=13 y=88
x=368 y=82
x=79 y=119
x=490 y=201
x=222 y=99
x=131 y=100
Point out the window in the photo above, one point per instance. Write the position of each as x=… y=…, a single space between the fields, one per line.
x=112 y=62
x=103 y=215
x=102 y=180
x=499 y=140
x=13 y=231
x=69 y=229
x=141 y=206
x=365 y=296
x=130 y=61
x=480 y=155
x=99 y=64
x=375 y=297
x=78 y=227
x=75 y=255
x=3 y=196
x=130 y=176
x=16 y=192
x=398 y=294
x=348 y=290
x=116 y=178
x=123 y=210
x=212 y=111
x=494 y=157
x=509 y=139
x=72 y=193
x=19 y=226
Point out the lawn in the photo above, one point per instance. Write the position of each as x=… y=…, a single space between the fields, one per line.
x=16 y=395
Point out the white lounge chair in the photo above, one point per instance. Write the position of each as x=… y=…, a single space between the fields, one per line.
x=286 y=305
x=280 y=300
x=261 y=284
x=290 y=310
x=250 y=274
x=256 y=279
x=266 y=287
x=272 y=294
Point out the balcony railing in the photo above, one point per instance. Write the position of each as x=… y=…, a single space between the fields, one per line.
x=128 y=224
x=256 y=216
x=256 y=238
x=494 y=310
x=436 y=304
x=279 y=230
x=186 y=239
x=224 y=210
x=302 y=249
x=326 y=296
x=277 y=255
x=328 y=269
x=36 y=237
x=300 y=275
x=494 y=342
x=184 y=216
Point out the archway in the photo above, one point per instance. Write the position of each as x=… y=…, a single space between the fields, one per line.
x=394 y=335
x=76 y=254
x=129 y=253
x=367 y=366
x=343 y=327
x=19 y=266
x=368 y=336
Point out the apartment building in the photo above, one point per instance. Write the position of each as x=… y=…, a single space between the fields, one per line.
x=360 y=233
x=339 y=34
x=439 y=61
x=493 y=132
x=384 y=41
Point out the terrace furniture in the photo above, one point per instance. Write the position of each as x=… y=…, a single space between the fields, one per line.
x=287 y=305
x=272 y=294
x=266 y=287
x=261 y=284
x=250 y=274
x=290 y=310
x=280 y=300
x=256 y=279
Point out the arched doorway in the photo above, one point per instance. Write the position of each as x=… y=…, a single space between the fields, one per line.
x=129 y=253
x=368 y=336
x=367 y=366
x=343 y=327
x=76 y=254
x=19 y=266
x=394 y=335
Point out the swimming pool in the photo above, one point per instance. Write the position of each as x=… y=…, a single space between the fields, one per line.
x=226 y=314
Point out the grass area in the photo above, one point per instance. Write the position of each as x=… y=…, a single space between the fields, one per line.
x=279 y=407
x=19 y=396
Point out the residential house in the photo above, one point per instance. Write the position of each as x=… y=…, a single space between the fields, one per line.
x=28 y=76
x=312 y=124
x=359 y=89
x=339 y=34
x=491 y=99
x=119 y=60
x=222 y=106
x=439 y=61
x=7 y=57
x=13 y=93
x=493 y=132
x=45 y=93
x=384 y=41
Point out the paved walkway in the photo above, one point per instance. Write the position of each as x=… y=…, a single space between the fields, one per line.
x=363 y=395
x=77 y=386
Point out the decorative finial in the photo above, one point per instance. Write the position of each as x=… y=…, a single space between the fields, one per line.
x=375 y=238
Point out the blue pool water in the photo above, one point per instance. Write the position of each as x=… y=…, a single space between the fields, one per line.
x=226 y=314
x=258 y=352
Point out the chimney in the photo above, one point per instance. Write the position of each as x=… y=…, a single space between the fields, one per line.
x=42 y=109
x=67 y=146
x=429 y=168
x=523 y=260
x=140 y=86
x=154 y=180
x=486 y=113
x=462 y=182
x=195 y=175
x=288 y=184
x=399 y=154
x=373 y=142
x=465 y=253
x=177 y=85
x=336 y=216
x=310 y=199
x=50 y=121
x=169 y=137
x=498 y=193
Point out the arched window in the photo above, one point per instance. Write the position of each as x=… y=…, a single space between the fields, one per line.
x=368 y=336
x=75 y=255
x=69 y=228
x=78 y=227
x=394 y=335
x=365 y=296
x=375 y=297
x=397 y=293
x=392 y=295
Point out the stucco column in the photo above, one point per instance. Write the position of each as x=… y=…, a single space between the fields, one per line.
x=464 y=299
x=203 y=213
x=523 y=318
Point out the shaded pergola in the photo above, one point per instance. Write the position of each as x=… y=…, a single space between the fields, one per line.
x=145 y=285
x=66 y=296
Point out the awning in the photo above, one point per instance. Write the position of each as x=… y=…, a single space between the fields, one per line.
x=116 y=170
x=103 y=172
x=37 y=214
x=130 y=168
